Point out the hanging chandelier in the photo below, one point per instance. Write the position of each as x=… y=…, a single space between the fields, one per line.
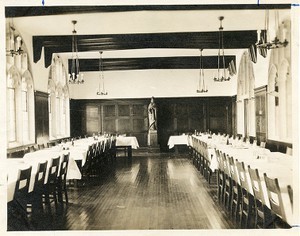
x=222 y=72
x=75 y=77
x=101 y=89
x=264 y=42
x=201 y=84
x=14 y=44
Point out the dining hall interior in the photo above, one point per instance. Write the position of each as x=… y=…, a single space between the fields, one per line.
x=150 y=117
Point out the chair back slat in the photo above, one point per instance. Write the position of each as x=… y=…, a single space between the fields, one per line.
x=64 y=167
x=23 y=181
x=40 y=176
x=274 y=196
x=242 y=174
x=53 y=170
x=224 y=158
x=233 y=171
x=256 y=184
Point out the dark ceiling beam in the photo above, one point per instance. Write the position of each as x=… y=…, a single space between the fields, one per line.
x=61 y=10
x=113 y=64
x=196 y=40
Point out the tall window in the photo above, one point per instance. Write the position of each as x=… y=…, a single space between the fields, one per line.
x=13 y=78
x=58 y=100
x=20 y=109
x=280 y=91
x=245 y=97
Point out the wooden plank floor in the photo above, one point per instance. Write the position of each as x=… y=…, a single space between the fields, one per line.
x=154 y=191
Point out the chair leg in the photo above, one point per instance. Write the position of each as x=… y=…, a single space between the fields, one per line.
x=59 y=191
x=66 y=193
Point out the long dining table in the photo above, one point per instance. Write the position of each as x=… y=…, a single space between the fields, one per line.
x=77 y=151
x=40 y=156
x=274 y=164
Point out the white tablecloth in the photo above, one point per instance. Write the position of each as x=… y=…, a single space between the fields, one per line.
x=127 y=141
x=178 y=140
x=73 y=171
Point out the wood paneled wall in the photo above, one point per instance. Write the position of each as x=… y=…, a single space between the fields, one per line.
x=185 y=115
x=128 y=116
x=41 y=117
x=175 y=116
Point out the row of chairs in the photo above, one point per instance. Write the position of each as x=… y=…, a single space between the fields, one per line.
x=99 y=155
x=201 y=158
x=234 y=194
x=26 y=203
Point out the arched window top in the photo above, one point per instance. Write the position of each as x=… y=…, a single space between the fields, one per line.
x=273 y=75
x=284 y=70
x=13 y=77
x=66 y=91
x=27 y=78
x=51 y=86
x=57 y=72
x=59 y=91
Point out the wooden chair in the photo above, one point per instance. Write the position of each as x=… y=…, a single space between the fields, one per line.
x=62 y=178
x=207 y=160
x=50 y=186
x=112 y=151
x=263 y=218
x=41 y=146
x=227 y=183
x=36 y=196
x=221 y=178
x=31 y=148
x=276 y=203
x=97 y=161
x=247 y=200
x=236 y=193
x=87 y=167
x=18 y=207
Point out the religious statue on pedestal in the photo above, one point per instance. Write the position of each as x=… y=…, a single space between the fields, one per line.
x=152 y=115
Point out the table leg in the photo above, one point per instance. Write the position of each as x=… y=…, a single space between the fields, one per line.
x=129 y=150
x=176 y=149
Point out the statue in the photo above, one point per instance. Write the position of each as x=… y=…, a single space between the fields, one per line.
x=152 y=115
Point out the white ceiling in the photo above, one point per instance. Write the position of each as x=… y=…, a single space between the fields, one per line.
x=142 y=22
x=145 y=22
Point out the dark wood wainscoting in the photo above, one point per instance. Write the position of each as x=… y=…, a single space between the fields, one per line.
x=185 y=115
x=129 y=116
x=41 y=117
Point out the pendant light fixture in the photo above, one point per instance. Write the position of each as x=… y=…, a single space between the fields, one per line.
x=75 y=76
x=201 y=83
x=101 y=89
x=222 y=72
x=265 y=42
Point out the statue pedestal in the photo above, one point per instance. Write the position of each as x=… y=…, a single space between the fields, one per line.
x=152 y=138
